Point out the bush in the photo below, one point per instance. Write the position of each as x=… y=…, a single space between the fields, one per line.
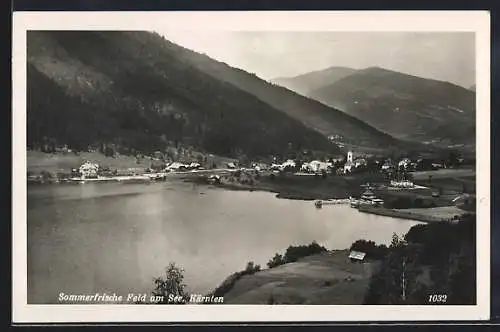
x=250 y=269
x=293 y=253
x=372 y=250
x=276 y=261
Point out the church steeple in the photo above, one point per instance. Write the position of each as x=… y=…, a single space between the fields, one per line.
x=349 y=157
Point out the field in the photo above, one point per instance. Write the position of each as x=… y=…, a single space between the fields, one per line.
x=468 y=173
x=450 y=182
x=444 y=212
x=63 y=162
x=53 y=163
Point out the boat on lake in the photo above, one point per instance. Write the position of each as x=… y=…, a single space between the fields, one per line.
x=368 y=195
x=366 y=198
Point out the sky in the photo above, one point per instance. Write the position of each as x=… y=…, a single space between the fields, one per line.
x=446 y=56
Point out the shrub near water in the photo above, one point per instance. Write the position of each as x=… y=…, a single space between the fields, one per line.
x=228 y=284
x=294 y=253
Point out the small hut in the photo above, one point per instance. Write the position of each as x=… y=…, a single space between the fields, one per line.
x=357 y=256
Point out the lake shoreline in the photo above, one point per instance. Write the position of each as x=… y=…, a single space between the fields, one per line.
x=290 y=186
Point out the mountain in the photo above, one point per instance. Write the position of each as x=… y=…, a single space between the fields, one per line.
x=404 y=106
x=315 y=115
x=314 y=80
x=136 y=92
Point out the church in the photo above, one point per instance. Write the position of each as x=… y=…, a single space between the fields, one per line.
x=349 y=164
x=352 y=163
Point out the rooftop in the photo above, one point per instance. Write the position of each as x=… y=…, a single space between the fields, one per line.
x=357 y=255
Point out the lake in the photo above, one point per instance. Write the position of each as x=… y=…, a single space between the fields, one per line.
x=115 y=237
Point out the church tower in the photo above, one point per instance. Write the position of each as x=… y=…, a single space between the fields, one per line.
x=349 y=157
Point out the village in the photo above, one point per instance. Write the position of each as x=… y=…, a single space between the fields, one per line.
x=420 y=189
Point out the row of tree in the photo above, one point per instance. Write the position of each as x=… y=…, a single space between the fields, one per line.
x=437 y=258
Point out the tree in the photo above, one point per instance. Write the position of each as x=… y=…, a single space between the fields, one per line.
x=452 y=159
x=395 y=242
x=200 y=159
x=172 y=283
x=46 y=175
x=275 y=261
x=251 y=268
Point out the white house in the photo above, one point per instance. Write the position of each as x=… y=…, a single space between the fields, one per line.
x=194 y=165
x=288 y=163
x=402 y=184
x=275 y=167
x=386 y=166
x=315 y=166
x=259 y=166
x=360 y=162
x=88 y=170
x=175 y=166
x=335 y=137
x=319 y=166
x=406 y=162
x=281 y=167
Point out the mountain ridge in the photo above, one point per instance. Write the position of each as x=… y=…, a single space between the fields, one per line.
x=305 y=83
x=313 y=114
x=126 y=90
x=405 y=106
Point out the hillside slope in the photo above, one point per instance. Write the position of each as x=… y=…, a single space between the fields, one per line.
x=313 y=114
x=407 y=107
x=328 y=278
x=314 y=80
x=130 y=90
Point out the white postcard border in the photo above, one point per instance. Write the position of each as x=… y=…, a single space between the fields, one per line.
x=431 y=21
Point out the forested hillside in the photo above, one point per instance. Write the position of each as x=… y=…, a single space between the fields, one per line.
x=128 y=90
